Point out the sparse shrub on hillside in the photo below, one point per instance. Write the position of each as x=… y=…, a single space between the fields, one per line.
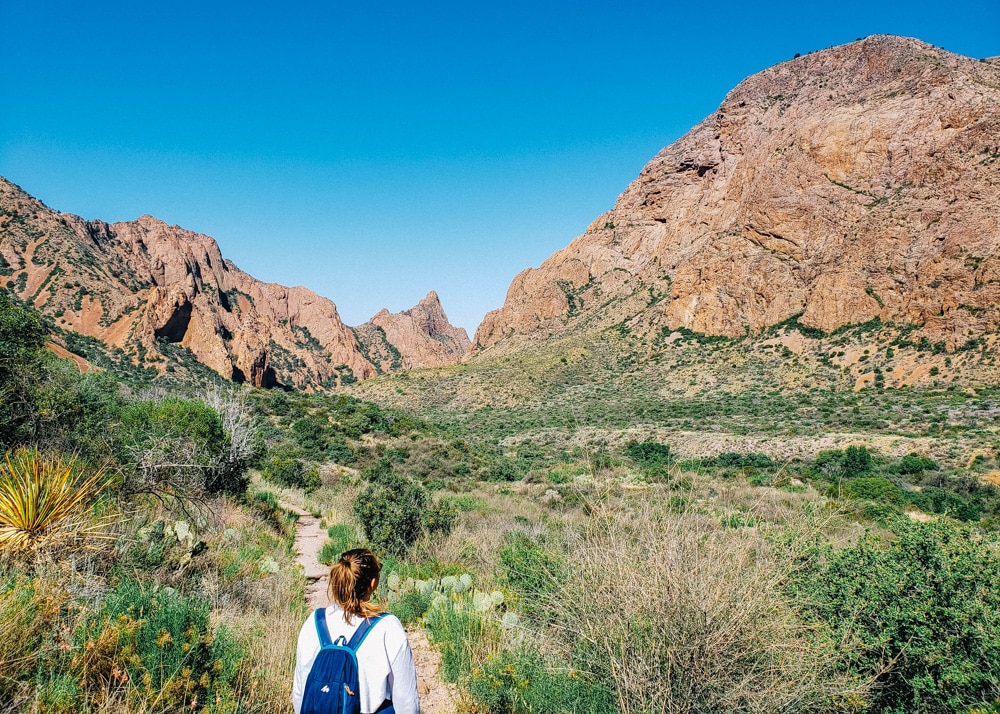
x=339 y=452
x=876 y=488
x=932 y=499
x=671 y=613
x=440 y=517
x=161 y=642
x=915 y=464
x=851 y=462
x=174 y=445
x=652 y=457
x=284 y=470
x=503 y=469
x=310 y=434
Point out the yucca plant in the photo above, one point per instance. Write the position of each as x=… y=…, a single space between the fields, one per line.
x=44 y=500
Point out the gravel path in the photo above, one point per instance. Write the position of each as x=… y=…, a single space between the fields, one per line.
x=436 y=696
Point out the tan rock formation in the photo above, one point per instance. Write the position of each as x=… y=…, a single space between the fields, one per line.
x=858 y=182
x=148 y=288
x=418 y=337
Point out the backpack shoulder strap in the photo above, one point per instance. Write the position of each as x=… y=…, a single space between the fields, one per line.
x=362 y=632
x=322 y=629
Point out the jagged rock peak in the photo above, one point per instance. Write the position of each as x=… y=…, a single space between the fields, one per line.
x=852 y=183
x=418 y=337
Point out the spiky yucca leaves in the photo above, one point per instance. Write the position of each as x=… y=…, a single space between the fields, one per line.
x=44 y=500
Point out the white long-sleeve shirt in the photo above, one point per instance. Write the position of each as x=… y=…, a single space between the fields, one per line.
x=385 y=662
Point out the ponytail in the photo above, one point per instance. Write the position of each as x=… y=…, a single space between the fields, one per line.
x=351 y=583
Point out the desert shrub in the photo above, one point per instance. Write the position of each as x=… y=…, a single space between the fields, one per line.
x=652 y=457
x=464 y=636
x=915 y=464
x=932 y=499
x=530 y=569
x=525 y=680
x=342 y=538
x=875 y=488
x=920 y=615
x=284 y=471
x=851 y=462
x=340 y=453
x=440 y=517
x=174 y=445
x=29 y=613
x=674 y=614
x=503 y=469
x=161 y=642
x=22 y=339
x=390 y=510
x=45 y=501
x=732 y=460
x=310 y=435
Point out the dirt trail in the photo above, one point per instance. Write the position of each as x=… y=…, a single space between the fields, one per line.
x=436 y=696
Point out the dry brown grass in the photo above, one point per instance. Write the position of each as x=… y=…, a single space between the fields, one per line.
x=687 y=616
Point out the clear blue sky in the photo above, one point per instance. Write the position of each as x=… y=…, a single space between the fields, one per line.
x=373 y=151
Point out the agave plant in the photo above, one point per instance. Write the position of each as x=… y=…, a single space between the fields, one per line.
x=44 y=500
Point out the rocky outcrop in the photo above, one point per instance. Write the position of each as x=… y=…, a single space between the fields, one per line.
x=165 y=295
x=418 y=337
x=855 y=183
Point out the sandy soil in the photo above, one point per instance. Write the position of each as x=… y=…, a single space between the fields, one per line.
x=436 y=696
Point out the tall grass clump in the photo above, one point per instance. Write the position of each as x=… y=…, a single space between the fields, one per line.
x=676 y=614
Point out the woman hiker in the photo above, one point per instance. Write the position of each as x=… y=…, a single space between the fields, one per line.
x=387 y=679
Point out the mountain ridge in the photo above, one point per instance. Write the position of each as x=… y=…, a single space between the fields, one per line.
x=852 y=184
x=135 y=285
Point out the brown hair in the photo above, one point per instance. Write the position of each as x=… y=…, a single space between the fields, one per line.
x=351 y=582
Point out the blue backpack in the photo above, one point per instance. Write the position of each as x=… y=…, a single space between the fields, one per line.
x=332 y=685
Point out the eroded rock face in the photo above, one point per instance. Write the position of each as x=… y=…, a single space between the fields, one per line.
x=150 y=288
x=418 y=337
x=862 y=181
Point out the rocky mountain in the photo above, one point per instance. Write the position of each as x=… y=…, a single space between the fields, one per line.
x=164 y=296
x=856 y=183
x=427 y=338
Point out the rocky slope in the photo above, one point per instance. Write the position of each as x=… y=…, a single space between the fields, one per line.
x=147 y=288
x=855 y=183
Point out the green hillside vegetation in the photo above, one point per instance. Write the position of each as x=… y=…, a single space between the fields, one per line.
x=713 y=526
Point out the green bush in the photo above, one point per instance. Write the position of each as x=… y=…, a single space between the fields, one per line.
x=875 y=488
x=920 y=615
x=732 y=460
x=340 y=453
x=915 y=464
x=342 y=538
x=284 y=471
x=440 y=517
x=851 y=462
x=932 y=499
x=390 y=510
x=310 y=435
x=652 y=457
x=503 y=469
x=525 y=681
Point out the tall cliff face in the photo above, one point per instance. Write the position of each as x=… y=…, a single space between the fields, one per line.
x=858 y=182
x=142 y=286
